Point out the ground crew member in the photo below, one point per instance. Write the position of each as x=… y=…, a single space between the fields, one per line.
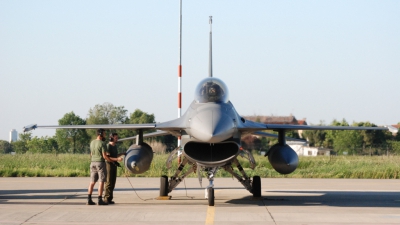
x=112 y=158
x=97 y=166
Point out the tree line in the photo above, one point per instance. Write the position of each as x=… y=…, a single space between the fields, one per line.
x=78 y=140
x=357 y=142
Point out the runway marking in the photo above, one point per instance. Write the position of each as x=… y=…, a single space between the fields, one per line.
x=210 y=215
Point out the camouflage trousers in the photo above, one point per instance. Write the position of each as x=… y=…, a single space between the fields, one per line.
x=111 y=180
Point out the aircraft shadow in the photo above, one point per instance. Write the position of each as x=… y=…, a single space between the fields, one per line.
x=9 y=193
x=328 y=198
x=59 y=194
x=269 y=198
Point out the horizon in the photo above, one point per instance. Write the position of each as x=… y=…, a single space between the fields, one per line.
x=315 y=60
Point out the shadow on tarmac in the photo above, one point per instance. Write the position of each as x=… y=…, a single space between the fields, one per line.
x=327 y=198
x=269 y=198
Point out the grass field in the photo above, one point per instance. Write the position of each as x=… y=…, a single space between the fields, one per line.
x=69 y=165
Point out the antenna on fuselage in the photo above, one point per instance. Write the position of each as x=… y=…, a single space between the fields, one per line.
x=210 y=56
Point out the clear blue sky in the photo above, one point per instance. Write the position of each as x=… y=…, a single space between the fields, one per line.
x=319 y=60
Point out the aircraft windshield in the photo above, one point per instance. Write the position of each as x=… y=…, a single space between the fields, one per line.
x=211 y=90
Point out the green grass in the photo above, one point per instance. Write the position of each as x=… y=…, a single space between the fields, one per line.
x=69 y=165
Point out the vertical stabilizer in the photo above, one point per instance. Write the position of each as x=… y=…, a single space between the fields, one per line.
x=210 y=70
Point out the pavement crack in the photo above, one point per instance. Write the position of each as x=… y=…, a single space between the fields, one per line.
x=266 y=207
x=52 y=205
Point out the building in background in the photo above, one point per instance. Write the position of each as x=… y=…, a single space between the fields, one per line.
x=278 y=120
x=13 y=135
x=394 y=129
x=302 y=149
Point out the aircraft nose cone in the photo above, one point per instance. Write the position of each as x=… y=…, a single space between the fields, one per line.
x=212 y=126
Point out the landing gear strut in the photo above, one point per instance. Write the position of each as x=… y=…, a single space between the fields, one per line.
x=209 y=191
x=253 y=186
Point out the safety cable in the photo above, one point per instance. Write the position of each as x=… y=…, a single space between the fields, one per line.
x=135 y=190
x=184 y=182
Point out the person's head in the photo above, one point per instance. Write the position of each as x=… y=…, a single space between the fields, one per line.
x=114 y=137
x=101 y=134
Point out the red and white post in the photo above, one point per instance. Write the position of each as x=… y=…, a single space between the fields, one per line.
x=180 y=78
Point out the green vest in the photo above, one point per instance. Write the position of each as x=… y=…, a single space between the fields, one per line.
x=97 y=148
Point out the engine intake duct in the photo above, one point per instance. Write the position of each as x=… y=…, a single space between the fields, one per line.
x=207 y=154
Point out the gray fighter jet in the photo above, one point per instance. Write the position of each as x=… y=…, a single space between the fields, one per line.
x=211 y=132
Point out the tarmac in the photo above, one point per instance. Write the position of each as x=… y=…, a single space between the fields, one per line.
x=285 y=201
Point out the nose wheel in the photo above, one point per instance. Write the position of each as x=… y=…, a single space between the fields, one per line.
x=210 y=193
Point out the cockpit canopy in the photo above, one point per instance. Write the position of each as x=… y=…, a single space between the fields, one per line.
x=211 y=89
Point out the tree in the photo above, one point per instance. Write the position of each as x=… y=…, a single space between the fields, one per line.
x=137 y=117
x=395 y=142
x=5 y=147
x=42 y=145
x=106 y=113
x=315 y=137
x=251 y=142
x=292 y=134
x=331 y=135
x=397 y=137
x=348 y=141
x=170 y=141
x=140 y=117
x=25 y=136
x=373 y=137
x=20 y=146
x=72 y=140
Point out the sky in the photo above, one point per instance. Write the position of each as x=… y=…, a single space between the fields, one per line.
x=318 y=60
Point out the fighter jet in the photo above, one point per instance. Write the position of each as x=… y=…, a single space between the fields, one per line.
x=211 y=132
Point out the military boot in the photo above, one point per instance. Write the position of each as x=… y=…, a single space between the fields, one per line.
x=89 y=201
x=101 y=202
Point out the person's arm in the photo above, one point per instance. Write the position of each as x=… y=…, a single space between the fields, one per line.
x=106 y=156
x=121 y=154
x=106 y=153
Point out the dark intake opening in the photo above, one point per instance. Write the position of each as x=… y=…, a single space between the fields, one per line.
x=210 y=152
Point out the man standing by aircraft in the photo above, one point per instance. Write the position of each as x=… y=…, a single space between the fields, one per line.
x=97 y=166
x=112 y=158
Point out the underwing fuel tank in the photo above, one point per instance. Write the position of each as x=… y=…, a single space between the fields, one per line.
x=283 y=158
x=138 y=158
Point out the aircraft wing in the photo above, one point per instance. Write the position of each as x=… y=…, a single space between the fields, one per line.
x=250 y=126
x=170 y=127
x=144 y=126
x=306 y=127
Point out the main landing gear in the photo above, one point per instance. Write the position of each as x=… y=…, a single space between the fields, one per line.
x=252 y=185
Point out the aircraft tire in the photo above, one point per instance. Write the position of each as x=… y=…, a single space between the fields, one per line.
x=164 y=186
x=210 y=196
x=256 y=185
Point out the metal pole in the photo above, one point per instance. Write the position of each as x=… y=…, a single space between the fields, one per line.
x=180 y=76
x=210 y=56
x=180 y=62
